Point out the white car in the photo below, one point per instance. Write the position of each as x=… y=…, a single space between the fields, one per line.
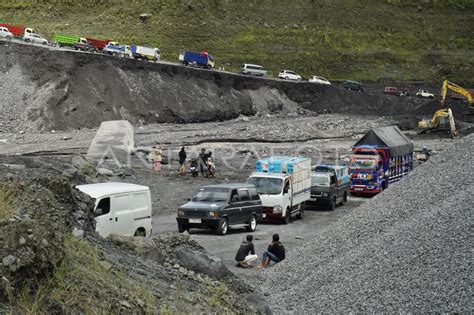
x=289 y=75
x=424 y=93
x=320 y=80
x=35 y=38
x=5 y=33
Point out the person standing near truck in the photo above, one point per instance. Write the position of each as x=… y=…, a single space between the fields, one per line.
x=182 y=161
x=275 y=252
x=246 y=253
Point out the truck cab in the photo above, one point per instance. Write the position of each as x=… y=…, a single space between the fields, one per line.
x=276 y=191
x=367 y=175
x=330 y=185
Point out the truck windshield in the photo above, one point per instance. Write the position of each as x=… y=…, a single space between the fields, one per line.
x=363 y=163
x=267 y=185
x=211 y=195
x=319 y=179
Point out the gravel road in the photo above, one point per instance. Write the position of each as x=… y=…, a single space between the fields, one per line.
x=408 y=249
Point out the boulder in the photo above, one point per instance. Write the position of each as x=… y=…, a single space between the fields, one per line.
x=196 y=261
x=142 y=246
x=112 y=144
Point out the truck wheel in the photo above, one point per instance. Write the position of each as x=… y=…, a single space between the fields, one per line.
x=286 y=219
x=332 y=204
x=223 y=227
x=252 y=224
x=301 y=214
x=182 y=228
x=140 y=232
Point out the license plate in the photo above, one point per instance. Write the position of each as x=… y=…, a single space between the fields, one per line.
x=313 y=199
x=359 y=189
x=195 y=221
x=264 y=215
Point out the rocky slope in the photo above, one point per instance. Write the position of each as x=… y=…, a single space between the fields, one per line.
x=53 y=262
x=48 y=89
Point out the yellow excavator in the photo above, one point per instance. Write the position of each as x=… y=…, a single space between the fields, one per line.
x=442 y=120
x=460 y=90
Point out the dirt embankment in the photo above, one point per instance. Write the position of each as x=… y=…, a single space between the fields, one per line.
x=52 y=261
x=46 y=89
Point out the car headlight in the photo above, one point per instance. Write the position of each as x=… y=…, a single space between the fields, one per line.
x=180 y=213
x=214 y=214
x=277 y=209
x=325 y=194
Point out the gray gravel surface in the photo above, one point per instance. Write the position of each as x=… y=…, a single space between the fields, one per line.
x=406 y=250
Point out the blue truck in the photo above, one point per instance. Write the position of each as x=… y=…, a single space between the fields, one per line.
x=382 y=156
x=115 y=49
x=202 y=59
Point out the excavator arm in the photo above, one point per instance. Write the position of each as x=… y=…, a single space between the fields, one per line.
x=456 y=88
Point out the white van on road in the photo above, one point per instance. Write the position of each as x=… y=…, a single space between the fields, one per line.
x=120 y=208
x=251 y=69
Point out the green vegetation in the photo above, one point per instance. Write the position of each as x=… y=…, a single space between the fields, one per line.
x=7 y=203
x=81 y=284
x=364 y=40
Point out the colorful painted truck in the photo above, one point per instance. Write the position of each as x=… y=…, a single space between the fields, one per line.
x=18 y=31
x=382 y=156
x=145 y=53
x=202 y=59
x=284 y=186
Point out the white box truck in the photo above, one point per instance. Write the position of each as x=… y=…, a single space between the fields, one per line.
x=284 y=186
x=120 y=208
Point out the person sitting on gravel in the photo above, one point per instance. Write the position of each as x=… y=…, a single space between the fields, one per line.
x=275 y=252
x=243 y=258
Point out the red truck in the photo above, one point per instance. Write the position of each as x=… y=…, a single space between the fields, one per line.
x=99 y=43
x=18 y=31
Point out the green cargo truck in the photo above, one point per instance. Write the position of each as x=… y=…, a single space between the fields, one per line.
x=65 y=40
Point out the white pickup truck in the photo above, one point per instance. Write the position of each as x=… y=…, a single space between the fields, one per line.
x=283 y=189
x=424 y=93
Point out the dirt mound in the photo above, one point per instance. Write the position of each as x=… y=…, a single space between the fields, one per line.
x=46 y=88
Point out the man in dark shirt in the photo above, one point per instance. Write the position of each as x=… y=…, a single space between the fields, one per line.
x=242 y=257
x=275 y=252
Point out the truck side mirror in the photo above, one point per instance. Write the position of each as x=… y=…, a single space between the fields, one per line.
x=285 y=190
x=98 y=212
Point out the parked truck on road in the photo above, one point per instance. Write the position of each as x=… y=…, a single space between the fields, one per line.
x=330 y=185
x=145 y=53
x=202 y=59
x=98 y=43
x=383 y=156
x=65 y=40
x=18 y=31
x=114 y=49
x=284 y=185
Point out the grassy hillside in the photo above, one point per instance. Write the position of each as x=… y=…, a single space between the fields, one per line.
x=341 y=39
